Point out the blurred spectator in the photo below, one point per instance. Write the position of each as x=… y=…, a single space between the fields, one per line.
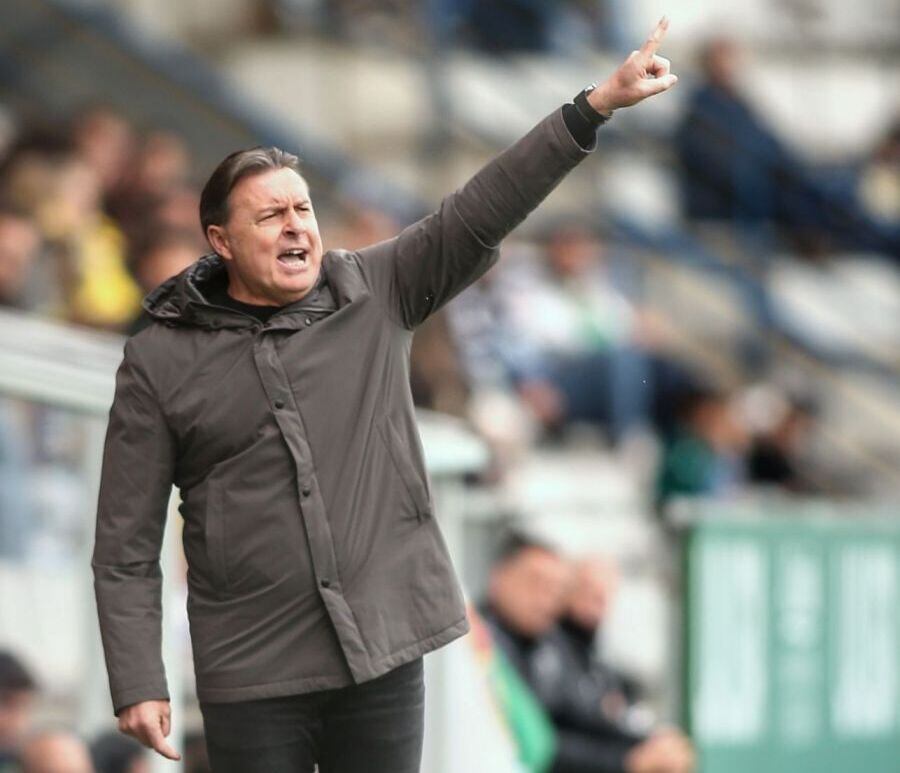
x=55 y=751
x=81 y=276
x=18 y=690
x=88 y=247
x=159 y=168
x=583 y=351
x=104 y=139
x=527 y=590
x=479 y=333
x=526 y=593
x=176 y=209
x=879 y=185
x=526 y=722
x=593 y=590
x=20 y=242
x=531 y=588
x=775 y=455
x=114 y=752
x=162 y=255
x=705 y=454
x=91 y=195
x=478 y=322
x=436 y=376
x=735 y=168
x=731 y=160
x=590 y=703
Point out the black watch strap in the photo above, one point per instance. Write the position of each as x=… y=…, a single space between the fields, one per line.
x=586 y=109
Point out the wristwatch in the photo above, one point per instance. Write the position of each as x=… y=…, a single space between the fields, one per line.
x=587 y=110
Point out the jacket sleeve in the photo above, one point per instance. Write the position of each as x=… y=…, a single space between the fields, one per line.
x=135 y=484
x=430 y=261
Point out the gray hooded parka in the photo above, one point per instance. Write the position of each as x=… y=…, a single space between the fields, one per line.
x=314 y=557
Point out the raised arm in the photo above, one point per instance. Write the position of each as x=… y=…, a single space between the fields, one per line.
x=432 y=260
x=135 y=484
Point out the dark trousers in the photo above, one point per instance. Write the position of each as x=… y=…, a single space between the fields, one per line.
x=364 y=728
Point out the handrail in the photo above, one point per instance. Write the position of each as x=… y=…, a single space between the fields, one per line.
x=57 y=364
x=681 y=248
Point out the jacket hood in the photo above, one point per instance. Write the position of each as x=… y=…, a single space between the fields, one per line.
x=182 y=299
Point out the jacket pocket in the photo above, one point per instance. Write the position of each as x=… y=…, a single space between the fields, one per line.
x=412 y=481
x=215 y=536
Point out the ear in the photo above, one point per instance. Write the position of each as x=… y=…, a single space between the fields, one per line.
x=218 y=238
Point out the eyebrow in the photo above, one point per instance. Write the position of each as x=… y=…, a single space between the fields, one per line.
x=271 y=208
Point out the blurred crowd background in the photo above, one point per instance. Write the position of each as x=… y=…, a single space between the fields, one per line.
x=707 y=310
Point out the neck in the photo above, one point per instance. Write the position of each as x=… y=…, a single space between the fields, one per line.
x=583 y=634
x=240 y=292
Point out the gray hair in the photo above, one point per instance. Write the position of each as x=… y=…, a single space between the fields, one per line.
x=232 y=169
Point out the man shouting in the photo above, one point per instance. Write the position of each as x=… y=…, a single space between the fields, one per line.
x=272 y=387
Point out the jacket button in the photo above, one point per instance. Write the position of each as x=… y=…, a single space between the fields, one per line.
x=306 y=492
x=307 y=321
x=279 y=404
x=325 y=583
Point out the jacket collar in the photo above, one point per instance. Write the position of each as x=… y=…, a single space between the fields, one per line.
x=182 y=300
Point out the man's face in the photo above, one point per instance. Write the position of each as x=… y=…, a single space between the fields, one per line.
x=16 y=710
x=271 y=239
x=572 y=253
x=157 y=266
x=530 y=590
x=19 y=242
x=592 y=592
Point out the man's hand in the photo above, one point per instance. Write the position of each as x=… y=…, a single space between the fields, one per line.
x=641 y=75
x=544 y=400
x=149 y=722
x=666 y=751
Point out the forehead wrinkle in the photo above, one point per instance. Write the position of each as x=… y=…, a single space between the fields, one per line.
x=272 y=189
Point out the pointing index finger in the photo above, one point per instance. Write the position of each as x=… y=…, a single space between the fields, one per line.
x=158 y=743
x=652 y=43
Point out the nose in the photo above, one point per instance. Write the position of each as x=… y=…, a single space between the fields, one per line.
x=293 y=225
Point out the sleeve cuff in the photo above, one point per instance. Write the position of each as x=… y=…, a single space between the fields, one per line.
x=124 y=698
x=568 y=135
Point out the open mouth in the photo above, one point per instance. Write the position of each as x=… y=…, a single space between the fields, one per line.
x=295 y=258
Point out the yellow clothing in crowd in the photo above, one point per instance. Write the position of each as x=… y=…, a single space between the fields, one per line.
x=105 y=294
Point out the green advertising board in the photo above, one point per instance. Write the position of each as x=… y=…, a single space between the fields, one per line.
x=792 y=640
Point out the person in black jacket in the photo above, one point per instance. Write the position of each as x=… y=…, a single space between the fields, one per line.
x=18 y=693
x=599 y=696
x=532 y=589
x=736 y=168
